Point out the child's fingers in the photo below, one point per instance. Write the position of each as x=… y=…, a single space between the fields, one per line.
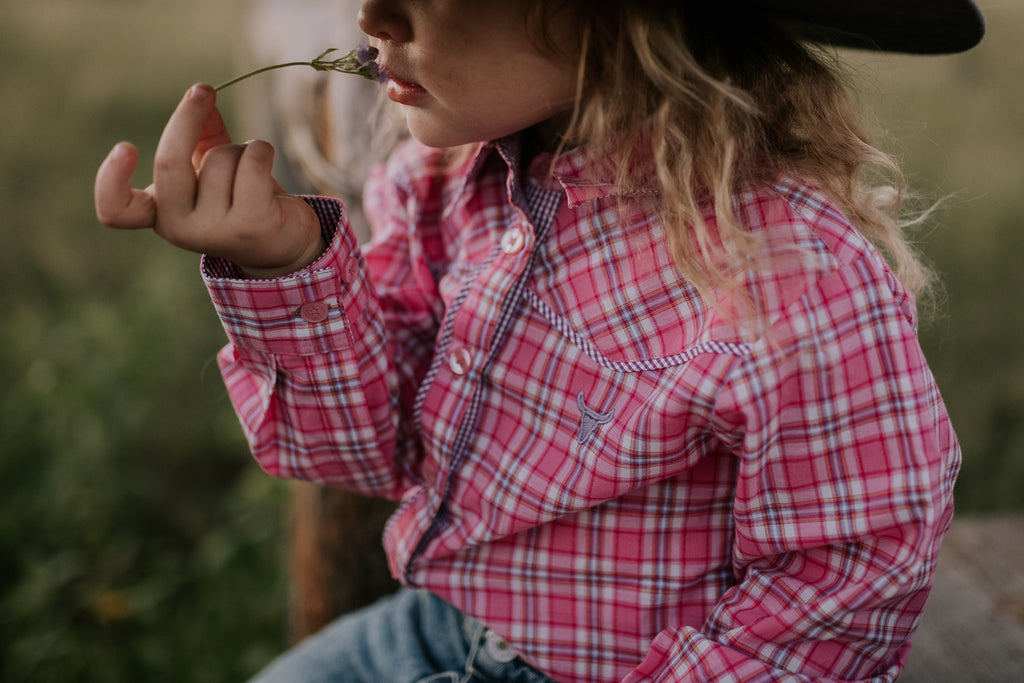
x=214 y=133
x=217 y=178
x=255 y=187
x=257 y=196
x=118 y=205
x=174 y=177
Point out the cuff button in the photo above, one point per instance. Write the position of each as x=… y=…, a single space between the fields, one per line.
x=314 y=311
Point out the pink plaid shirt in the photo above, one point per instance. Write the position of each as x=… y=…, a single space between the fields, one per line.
x=592 y=460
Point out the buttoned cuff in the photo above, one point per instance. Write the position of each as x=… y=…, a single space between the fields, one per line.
x=299 y=314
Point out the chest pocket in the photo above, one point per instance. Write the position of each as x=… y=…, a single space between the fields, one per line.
x=619 y=298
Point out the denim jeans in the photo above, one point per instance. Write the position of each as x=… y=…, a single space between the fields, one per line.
x=410 y=637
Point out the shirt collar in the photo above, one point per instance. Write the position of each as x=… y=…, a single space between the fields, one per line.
x=582 y=174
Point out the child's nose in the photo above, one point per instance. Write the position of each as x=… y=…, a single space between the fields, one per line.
x=385 y=20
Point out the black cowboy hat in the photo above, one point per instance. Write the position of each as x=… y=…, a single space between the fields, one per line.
x=910 y=26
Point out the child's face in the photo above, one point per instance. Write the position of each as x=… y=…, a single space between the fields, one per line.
x=466 y=70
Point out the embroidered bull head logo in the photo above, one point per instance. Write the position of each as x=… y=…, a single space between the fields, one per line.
x=590 y=420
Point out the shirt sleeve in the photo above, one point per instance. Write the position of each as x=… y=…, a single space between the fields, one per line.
x=846 y=464
x=312 y=367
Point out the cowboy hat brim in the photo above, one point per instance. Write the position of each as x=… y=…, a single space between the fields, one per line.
x=934 y=27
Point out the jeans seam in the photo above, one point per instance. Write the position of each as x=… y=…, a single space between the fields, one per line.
x=445 y=675
x=474 y=647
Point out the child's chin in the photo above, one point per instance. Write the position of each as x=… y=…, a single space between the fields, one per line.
x=433 y=133
x=438 y=138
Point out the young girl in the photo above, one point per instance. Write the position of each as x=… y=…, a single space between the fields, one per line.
x=623 y=342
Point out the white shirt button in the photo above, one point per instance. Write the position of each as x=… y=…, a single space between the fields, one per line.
x=497 y=648
x=513 y=241
x=460 y=360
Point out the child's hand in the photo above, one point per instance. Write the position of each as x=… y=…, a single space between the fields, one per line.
x=211 y=196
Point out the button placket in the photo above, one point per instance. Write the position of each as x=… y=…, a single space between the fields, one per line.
x=504 y=276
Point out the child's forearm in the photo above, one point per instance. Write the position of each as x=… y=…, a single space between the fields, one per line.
x=308 y=370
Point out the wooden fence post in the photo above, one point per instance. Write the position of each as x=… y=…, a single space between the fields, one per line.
x=336 y=562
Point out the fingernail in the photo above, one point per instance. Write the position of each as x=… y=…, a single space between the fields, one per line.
x=120 y=150
x=200 y=91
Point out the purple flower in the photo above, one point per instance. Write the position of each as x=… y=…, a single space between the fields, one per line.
x=366 y=54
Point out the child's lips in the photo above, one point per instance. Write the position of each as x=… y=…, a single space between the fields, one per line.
x=405 y=92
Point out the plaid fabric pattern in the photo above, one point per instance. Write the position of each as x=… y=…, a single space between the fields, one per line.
x=607 y=470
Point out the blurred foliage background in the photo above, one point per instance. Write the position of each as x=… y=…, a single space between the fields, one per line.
x=137 y=539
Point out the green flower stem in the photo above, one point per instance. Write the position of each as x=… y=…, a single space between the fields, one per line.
x=259 y=71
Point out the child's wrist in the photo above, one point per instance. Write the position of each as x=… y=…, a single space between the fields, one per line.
x=314 y=252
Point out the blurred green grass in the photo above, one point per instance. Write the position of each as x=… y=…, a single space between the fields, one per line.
x=138 y=542
x=137 y=539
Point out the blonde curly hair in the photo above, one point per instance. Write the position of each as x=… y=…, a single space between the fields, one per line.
x=721 y=97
